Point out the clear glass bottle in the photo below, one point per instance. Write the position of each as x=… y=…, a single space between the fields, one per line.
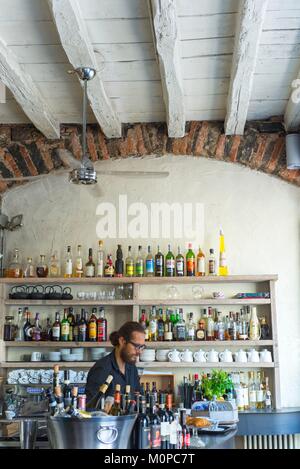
x=29 y=270
x=153 y=330
x=139 y=263
x=268 y=395
x=129 y=264
x=149 y=263
x=79 y=262
x=200 y=263
x=191 y=328
x=15 y=268
x=37 y=330
x=42 y=267
x=54 y=268
x=212 y=270
x=19 y=329
x=68 y=264
x=90 y=266
x=100 y=260
x=181 y=327
x=252 y=392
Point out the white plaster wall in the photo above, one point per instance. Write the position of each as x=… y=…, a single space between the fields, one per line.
x=259 y=215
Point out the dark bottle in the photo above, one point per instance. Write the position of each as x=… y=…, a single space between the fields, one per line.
x=97 y=401
x=159 y=264
x=116 y=407
x=119 y=264
x=171 y=417
x=8 y=328
x=154 y=392
x=170 y=263
x=160 y=326
x=64 y=328
x=186 y=438
x=76 y=328
x=92 y=326
x=42 y=268
x=67 y=389
x=101 y=326
x=51 y=402
x=82 y=328
x=71 y=320
x=155 y=438
x=164 y=423
x=27 y=328
x=142 y=427
x=56 y=329
x=265 y=329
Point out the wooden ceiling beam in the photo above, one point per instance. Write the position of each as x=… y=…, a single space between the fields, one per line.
x=26 y=93
x=247 y=38
x=165 y=30
x=78 y=47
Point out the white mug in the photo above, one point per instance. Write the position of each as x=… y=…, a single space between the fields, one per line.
x=241 y=356
x=10 y=414
x=162 y=355
x=253 y=356
x=174 y=356
x=186 y=356
x=265 y=356
x=212 y=356
x=36 y=356
x=199 y=356
x=226 y=356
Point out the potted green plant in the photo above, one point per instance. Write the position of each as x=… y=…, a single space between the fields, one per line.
x=218 y=383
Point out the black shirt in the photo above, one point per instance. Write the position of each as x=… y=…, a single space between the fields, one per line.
x=108 y=366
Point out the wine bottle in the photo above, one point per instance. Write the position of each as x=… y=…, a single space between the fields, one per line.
x=159 y=264
x=116 y=407
x=97 y=401
x=223 y=269
x=170 y=263
x=155 y=437
x=164 y=423
x=142 y=427
x=119 y=264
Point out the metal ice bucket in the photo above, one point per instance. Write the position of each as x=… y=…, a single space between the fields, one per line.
x=105 y=432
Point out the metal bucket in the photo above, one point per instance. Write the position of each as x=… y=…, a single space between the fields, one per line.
x=96 y=433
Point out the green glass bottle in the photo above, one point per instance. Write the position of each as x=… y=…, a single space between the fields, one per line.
x=159 y=264
x=64 y=328
x=170 y=263
x=190 y=262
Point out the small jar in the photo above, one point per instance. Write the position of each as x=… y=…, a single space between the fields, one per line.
x=42 y=268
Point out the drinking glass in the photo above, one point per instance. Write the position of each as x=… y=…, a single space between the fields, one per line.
x=196 y=441
x=197 y=292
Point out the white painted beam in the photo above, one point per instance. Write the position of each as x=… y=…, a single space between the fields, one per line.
x=247 y=38
x=166 y=37
x=2 y=93
x=292 y=111
x=26 y=93
x=77 y=45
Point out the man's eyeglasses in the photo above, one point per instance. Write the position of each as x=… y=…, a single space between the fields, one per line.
x=138 y=347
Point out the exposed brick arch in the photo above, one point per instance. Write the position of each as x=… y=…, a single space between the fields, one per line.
x=23 y=150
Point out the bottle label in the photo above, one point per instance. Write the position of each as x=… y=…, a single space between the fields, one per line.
x=69 y=267
x=165 y=428
x=56 y=331
x=212 y=267
x=129 y=270
x=101 y=335
x=259 y=395
x=144 y=438
x=155 y=436
x=222 y=260
x=190 y=267
x=139 y=269
x=180 y=267
x=186 y=439
x=153 y=327
x=191 y=334
x=100 y=268
x=168 y=336
x=170 y=265
x=90 y=271
x=109 y=271
x=200 y=334
x=201 y=265
x=92 y=330
x=65 y=328
x=79 y=266
x=149 y=266
x=180 y=332
x=252 y=396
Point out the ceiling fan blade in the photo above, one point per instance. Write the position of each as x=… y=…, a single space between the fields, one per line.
x=33 y=178
x=68 y=159
x=153 y=174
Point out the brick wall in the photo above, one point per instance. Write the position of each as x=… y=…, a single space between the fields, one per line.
x=25 y=151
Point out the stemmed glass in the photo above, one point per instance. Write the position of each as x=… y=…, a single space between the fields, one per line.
x=196 y=441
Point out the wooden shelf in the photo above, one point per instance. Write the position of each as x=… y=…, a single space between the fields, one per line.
x=46 y=364
x=69 y=302
x=204 y=301
x=141 y=280
x=202 y=365
x=44 y=344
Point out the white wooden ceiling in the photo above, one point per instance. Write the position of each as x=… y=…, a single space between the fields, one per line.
x=134 y=76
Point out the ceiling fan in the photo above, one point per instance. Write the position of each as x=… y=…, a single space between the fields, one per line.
x=83 y=171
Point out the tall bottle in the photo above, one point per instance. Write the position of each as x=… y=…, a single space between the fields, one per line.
x=55 y=334
x=190 y=262
x=36 y=330
x=164 y=423
x=254 y=325
x=90 y=266
x=64 y=327
x=142 y=427
x=116 y=407
x=268 y=395
x=155 y=428
x=54 y=267
x=160 y=326
x=153 y=329
x=97 y=401
x=223 y=269
x=129 y=264
x=76 y=328
x=101 y=326
x=170 y=263
x=180 y=327
x=186 y=440
x=212 y=270
x=149 y=267
x=119 y=264
x=109 y=270
x=191 y=328
x=68 y=264
x=139 y=263
x=15 y=268
x=82 y=328
x=29 y=270
x=42 y=267
x=92 y=326
x=179 y=264
x=79 y=262
x=100 y=260
x=159 y=263
x=200 y=263
x=19 y=329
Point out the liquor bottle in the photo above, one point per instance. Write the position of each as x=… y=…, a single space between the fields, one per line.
x=100 y=260
x=159 y=264
x=143 y=319
x=245 y=389
x=155 y=436
x=97 y=401
x=79 y=263
x=29 y=270
x=19 y=328
x=154 y=392
x=55 y=334
x=119 y=264
x=197 y=391
x=109 y=270
x=210 y=334
x=180 y=327
x=260 y=401
x=170 y=263
x=64 y=328
x=74 y=394
x=8 y=331
x=254 y=325
x=268 y=395
x=129 y=264
x=201 y=331
x=223 y=269
x=139 y=263
x=252 y=392
x=164 y=423
x=212 y=270
x=71 y=319
x=67 y=394
x=68 y=264
x=264 y=329
x=92 y=326
x=190 y=262
x=200 y=263
x=15 y=268
x=186 y=442
x=76 y=328
x=82 y=328
x=142 y=427
x=90 y=266
x=174 y=318
x=149 y=271
x=36 y=330
x=101 y=326
x=55 y=383
x=127 y=398
x=42 y=268
x=168 y=328
x=54 y=267
x=153 y=325
x=221 y=328
x=47 y=331
x=116 y=407
x=179 y=264
x=243 y=335
x=190 y=328
x=160 y=326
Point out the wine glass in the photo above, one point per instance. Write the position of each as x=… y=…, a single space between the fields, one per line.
x=196 y=441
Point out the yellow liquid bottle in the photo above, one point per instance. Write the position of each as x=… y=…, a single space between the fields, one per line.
x=223 y=269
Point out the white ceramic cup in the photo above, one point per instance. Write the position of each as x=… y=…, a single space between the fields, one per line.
x=36 y=356
x=162 y=355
